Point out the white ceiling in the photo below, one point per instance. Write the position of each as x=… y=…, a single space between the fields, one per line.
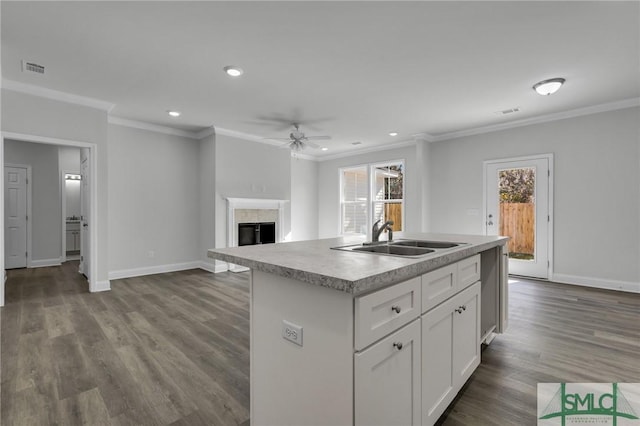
x=352 y=70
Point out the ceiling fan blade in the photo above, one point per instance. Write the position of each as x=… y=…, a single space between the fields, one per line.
x=318 y=138
x=279 y=139
x=312 y=145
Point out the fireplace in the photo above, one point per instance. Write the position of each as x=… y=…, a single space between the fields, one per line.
x=256 y=233
x=252 y=212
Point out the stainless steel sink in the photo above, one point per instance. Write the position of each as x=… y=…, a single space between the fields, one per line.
x=397 y=250
x=403 y=248
x=427 y=244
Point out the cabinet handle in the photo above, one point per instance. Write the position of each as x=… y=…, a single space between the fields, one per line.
x=396 y=309
x=464 y=307
x=459 y=310
x=398 y=345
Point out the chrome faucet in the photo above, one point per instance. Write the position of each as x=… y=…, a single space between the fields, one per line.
x=375 y=232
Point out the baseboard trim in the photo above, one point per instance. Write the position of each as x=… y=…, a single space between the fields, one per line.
x=42 y=263
x=158 y=269
x=214 y=268
x=101 y=286
x=628 y=286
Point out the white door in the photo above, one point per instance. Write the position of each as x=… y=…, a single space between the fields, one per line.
x=517 y=206
x=85 y=209
x=15 y=217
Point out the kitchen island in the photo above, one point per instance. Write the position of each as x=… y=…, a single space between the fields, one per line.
x=344 y=337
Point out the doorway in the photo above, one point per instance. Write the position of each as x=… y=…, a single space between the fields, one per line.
x=518 y=204
x=91 y=200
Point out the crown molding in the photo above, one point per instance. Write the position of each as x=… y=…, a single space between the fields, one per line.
x=595 y=109
x=56 y=95
x=401 y=144
x=152 y=127
x=242 y=135
x=206 y=132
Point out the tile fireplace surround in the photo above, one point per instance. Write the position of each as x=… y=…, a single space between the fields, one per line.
x=251 y=210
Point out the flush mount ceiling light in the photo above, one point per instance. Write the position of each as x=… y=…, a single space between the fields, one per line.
x=174 y=113
x=325 y=149
x=393 y=133
x=548 y=87
x=233 y=71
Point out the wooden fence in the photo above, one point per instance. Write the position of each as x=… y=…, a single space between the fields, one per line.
x=393 y=211
x=517 y=220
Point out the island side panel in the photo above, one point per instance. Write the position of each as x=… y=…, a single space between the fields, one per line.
x=308 y=384
x=490 y=297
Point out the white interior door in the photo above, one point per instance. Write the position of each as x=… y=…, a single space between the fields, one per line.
x=517 y=205
x=15 y=217
x=85 y=208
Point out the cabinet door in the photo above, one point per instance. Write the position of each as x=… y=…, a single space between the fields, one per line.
x=70 y=241
x=466 y=333
x=387 y=380
x=438 y=380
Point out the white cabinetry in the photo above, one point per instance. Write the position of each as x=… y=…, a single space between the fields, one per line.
x=450 y=350
x=73 y=236
x=410 y=376
x=387 y=380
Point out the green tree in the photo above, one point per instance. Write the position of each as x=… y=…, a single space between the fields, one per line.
x=517 y=185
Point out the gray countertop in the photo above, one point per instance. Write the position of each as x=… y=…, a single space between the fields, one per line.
x=314 y=262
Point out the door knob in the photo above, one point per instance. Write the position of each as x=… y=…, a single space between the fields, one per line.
x=398 y=345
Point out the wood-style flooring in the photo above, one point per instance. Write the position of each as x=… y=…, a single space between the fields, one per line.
x=168 y=349
x=173 y=349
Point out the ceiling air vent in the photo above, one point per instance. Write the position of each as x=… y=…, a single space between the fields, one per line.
x=356 y=143
x=508 y=111
x=32 y=67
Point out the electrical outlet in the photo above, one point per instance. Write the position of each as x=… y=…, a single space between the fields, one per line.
x=292 y=332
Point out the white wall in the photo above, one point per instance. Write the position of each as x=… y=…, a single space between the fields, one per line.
x=247 y=169
x=597 y=195
x=46 y=213
x=304 y=199
x=329 y=187
x=32 y=115
x=153 y=213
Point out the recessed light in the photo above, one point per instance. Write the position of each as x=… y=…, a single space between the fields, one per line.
x=548 y=87
x=233 y=71
x=325 y=149
x=393 y=133
x=174 y=113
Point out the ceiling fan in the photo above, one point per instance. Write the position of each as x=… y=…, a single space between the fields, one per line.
x=297 y=140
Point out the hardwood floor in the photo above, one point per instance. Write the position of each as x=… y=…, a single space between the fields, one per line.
x=174 y=349
x=156 y=350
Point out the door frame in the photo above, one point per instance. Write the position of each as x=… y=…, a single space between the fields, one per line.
x=93 y=201
x=29 y=207
x=549 y=158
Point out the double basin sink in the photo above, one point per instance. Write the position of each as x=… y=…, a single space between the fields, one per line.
x=404 y=248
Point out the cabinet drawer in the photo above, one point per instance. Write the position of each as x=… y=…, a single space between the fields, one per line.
x=75 y=226
x=378 y=314
x=439 y=285
x=468 y=271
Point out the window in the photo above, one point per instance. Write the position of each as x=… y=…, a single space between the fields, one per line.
x=370 y=193
x=355 y=188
